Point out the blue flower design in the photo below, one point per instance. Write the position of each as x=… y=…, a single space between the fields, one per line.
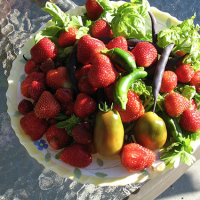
x=41 y=145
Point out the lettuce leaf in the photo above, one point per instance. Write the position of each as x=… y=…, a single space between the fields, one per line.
x=186 y=38
x=129 y=19
x=59 y=17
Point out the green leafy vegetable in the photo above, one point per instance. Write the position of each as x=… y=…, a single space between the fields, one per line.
x=129 y=20
x=49 y=31
x=59 y=17
x=179 y=152
x=186 y=38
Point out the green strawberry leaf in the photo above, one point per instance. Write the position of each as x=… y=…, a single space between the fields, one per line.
x=100 y=162
x=47 y=157
x=69 y=124
x=100 y=174
x=61 y=117
x=77 y=173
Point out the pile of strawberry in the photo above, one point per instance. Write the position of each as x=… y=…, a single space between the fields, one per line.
x=49 y=92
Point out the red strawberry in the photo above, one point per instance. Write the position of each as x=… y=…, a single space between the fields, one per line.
x=184 y=73
x=83 y=71
x=180 y=53
x=57 y=78
x=96 y=51
x=26 y=83
x=135 y=157
x=102 y=72
x=84 y=105
x=169 y=82
x=43 y=50
x=86 y=44
x=175 y=104
x=52 y=121
x=102 y=29
x=30 y=66
x=190 y=120
x=193 y=104
x=118 y=42
x=109 y=91
x=47 y=106
x=33 y=126
x=76 y=155
x=64 y=95
x=25 y=106
x=36 y=89
x=82 y=133
x=58 y=138
x=145 y=54
x=85 y=86
x=195 y=81
x=68 y=38
x=47 y=65
x=68 y=108
x=134 y=108
x=94 y=10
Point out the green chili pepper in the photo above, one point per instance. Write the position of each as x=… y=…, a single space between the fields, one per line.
x=173 y=127
x=122 y=58
x=123 y=84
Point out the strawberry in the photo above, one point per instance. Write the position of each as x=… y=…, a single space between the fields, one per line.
x=36 y=89
x=109 y=91
x=118 y=42
x=30 y=66
x=84 y=105
x=195 y=81
x=33 y=126
x=96 y=51
x=180 y=53
x=83 y=71
x=52 y=121
x=85 y=86
x=193 y=104
x=169 y=82
x=145 y=54
x=190 y=120
x=135 y=157
x=184 y=73
x=43 y=50
x=68 y=108
x=175 y=104
x=76 y=155
x=64 y=95
x=102 y=72
x=102 y=29
x=58 y=138
x=86 y=44
x=68 y=38
x=57 y=78
x=26 y=83
x=82 y=133
x=47 y=65
x=25 y=106
x=94 y=9
x=47 y=106
x=134 y=108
